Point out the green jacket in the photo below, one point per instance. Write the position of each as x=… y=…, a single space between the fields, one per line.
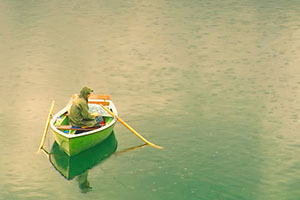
x=79 y=112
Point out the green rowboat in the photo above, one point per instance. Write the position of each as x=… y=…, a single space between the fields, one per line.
x=73 y=143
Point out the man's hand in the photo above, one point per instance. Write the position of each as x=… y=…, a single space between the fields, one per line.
x=95 y=114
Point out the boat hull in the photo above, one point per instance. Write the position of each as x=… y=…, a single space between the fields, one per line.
x=72 y=166
x=75 y=145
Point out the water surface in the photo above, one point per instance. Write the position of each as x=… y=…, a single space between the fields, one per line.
x=216 y=83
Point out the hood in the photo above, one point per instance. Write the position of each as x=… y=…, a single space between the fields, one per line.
x=84 y=92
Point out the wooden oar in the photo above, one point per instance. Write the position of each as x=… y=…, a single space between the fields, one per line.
x=46 y=127
x=131 y=129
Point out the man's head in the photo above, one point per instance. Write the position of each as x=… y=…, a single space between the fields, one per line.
x=85 y=92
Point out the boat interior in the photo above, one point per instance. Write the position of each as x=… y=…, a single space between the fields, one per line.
x=63 y=124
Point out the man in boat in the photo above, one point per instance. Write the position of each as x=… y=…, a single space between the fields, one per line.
x=79 y=114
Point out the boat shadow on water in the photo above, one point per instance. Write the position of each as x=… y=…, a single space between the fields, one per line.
x=78 y=165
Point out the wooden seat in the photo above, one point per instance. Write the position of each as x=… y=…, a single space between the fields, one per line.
x=94 y=97
x=97 y=97
x=104 y=103
x=69 y=127
x=100 y=96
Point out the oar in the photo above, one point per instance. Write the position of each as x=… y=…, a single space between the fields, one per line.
x=46 y=127
x=131 y=129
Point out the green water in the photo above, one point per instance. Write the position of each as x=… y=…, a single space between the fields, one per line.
x=216 y=83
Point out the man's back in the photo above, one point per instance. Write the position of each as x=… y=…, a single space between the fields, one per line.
x=80 y=115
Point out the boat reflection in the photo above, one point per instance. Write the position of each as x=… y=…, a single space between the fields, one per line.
x=78 y=165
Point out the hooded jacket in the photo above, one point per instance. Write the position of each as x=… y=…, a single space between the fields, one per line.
x=79 y=112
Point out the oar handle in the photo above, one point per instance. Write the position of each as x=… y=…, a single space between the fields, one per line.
x=131 y=129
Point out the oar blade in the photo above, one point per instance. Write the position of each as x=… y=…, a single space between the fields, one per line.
x=155 y=146
x=46 y=127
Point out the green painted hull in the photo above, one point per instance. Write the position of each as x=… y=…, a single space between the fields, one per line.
x=81 y=142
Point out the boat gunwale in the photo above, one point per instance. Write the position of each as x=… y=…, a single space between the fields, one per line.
x=69 y=136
